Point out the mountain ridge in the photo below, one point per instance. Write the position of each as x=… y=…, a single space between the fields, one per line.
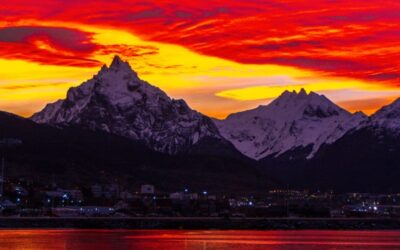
x=117 y=101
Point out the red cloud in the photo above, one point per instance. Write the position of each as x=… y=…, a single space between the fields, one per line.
x=60 y=46
x=48 y=45
x=345 y=38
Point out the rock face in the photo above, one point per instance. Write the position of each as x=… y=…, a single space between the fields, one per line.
x=292 y=121
x=117 y=101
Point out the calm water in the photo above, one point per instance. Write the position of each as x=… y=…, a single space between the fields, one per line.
x=191 y=240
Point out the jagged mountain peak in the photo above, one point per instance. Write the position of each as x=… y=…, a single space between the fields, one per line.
x=302 y=93
x=291 y=121
x=302 y=98
x=117 y=101
x=291 y=105
x=295 y=104
x=118 y=64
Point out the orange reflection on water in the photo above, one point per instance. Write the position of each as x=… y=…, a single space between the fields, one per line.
x=193 y=240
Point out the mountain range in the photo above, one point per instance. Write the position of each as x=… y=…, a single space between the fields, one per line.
x=299 y=139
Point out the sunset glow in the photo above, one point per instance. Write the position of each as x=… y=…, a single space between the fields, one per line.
x=220 y=56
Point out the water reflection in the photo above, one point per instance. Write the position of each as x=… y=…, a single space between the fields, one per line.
x=197 y=240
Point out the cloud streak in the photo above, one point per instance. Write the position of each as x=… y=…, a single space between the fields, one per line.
x=342 y=38
x=48 y=45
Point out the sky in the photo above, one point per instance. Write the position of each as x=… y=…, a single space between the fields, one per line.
x=220 y=56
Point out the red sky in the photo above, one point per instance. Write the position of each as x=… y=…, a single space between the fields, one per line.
x=353 y=42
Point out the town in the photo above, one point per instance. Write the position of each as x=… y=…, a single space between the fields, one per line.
x=22 y=198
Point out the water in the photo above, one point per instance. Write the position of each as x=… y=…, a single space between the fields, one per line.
x=201 y=240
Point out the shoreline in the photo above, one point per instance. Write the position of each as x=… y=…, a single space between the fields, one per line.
x=199 y=223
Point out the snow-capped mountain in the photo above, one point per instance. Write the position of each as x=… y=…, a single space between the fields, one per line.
x=364 y=159
x=388 y=118
x=292 y=121
x=117 y=101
